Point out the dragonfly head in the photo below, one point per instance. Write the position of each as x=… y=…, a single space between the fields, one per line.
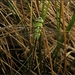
x=39 y=19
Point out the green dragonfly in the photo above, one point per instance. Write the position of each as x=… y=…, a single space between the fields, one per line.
x=37 y=27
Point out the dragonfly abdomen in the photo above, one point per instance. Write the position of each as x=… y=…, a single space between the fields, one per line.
x=38 y=27
x=37 y=33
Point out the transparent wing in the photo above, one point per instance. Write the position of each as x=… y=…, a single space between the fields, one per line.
x=26 y=31
x=4 y=31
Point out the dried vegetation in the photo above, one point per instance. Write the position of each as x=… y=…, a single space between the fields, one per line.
x=16 y=44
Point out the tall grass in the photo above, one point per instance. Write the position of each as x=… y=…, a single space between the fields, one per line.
x=20 y=53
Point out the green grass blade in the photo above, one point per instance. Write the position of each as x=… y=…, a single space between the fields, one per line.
x=70 y=25
x=25 y=62
x=55 y=53
x=44 y=13
x=43 y=5
x=58 y=18
x=16 y=15
x=40 y=53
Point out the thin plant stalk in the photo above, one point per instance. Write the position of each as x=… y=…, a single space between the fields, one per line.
x=46 y=42
x=64 y=34
x=21 y=3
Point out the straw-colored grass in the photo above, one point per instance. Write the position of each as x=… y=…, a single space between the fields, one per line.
x=53 y=53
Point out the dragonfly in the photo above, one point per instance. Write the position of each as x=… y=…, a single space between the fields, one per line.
x=37 y=27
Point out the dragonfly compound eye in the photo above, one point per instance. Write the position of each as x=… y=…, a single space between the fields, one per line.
x=39 y=20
